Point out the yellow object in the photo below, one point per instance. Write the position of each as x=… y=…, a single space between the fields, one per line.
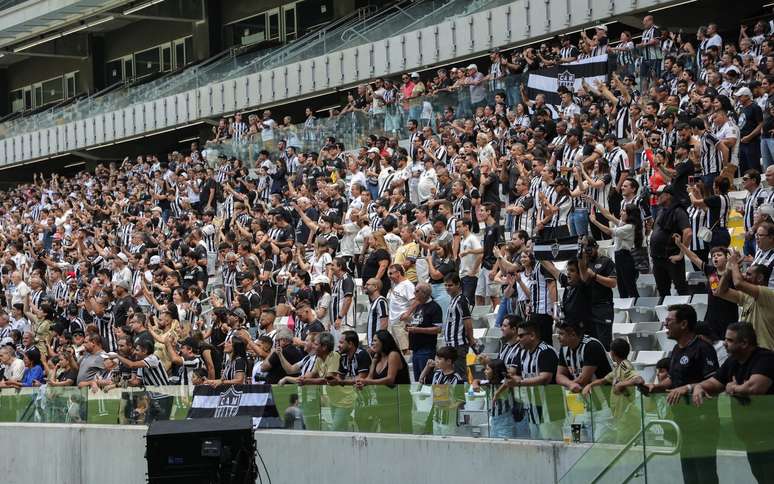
x=575 y=404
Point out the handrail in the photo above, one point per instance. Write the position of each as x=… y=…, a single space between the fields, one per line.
x=633 y=440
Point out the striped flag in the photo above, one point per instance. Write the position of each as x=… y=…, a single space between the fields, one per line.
x=565 y=248
x=235 y=400
x=571 y=75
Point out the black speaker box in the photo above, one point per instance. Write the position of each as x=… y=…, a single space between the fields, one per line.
x=201 y=451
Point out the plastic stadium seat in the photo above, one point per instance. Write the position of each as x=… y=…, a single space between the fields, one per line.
x=644 y=309
x=621 y=308
x=479 y=333
x=661 y=309
x=645 y=362
x=624 y=329
x=646 y=285
x=699 y=303
x=664 y=342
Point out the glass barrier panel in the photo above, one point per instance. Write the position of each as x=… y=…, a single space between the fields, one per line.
x=298 y=406
x=727 y=438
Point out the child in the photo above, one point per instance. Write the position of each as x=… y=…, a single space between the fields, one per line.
x=503 y=405
x=444 y=368
x=445 y=397
x=623 y=376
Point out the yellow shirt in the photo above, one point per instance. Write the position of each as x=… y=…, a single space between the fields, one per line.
x=760 y=313
x=623 y=371
x=404 y=252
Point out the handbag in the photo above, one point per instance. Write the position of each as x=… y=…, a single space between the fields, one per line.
x=705 y=234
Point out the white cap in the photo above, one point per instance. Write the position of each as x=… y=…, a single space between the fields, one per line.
x=123 y=257
x=743 y=91
x=415 y=75
x=321 y=279
x=373 y=150
x=155 y=260
x=601 y=27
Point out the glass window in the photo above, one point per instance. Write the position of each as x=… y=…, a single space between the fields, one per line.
x=128 y=68
x=53 y=90
x=17 y=100
x=274 y=27
x=250 y=26
x=290 y=23
x=189 y=50
x=27 y=98
x=166 y=58
x=147 y=62
x=113 y=72
x=179 y=55
x=37 y=91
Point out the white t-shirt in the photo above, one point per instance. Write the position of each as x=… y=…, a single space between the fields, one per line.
x=427 y=181
x=468 y=261
x=14 y=371
x=19 y=293
x=399 y=300
x=730 y=130
x=267 y=133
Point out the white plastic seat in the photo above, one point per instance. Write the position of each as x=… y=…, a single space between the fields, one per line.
x=479 y=333
x=661 y=309
x=624 y=329
x=664 y=342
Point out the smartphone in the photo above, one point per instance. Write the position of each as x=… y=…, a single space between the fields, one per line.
x=691 y=180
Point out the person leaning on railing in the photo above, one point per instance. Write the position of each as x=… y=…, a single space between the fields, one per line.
x=748 y=372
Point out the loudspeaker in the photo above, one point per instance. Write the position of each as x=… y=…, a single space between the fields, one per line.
x=201 y=451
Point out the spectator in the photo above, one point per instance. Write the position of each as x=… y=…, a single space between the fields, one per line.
x=748 y=371
x=668 y=264
x=13 y=368
x=582 y=359
x=400 y=302
x=692 y=362
x=426 y=324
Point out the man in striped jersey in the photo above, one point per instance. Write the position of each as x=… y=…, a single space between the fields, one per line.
x=378 y=313
x=751 y=181
x=150 y=372
x=187 y=359
x=650 y=51
x=713 y=155
x=457 y=324
x=582 y=359
x=538 y=368
x=764 y=253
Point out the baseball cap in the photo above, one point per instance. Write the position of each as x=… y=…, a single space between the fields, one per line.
x=321 y=279
x=743 y=91
x=664 y=189
x=122 y=284
x=601 y=27
x=123 y=257
x=239 y=313
x=415 y=75
x=154 y=260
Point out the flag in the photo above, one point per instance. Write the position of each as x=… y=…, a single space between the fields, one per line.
x=571 y=75
x=565 y=248
x=235 y=400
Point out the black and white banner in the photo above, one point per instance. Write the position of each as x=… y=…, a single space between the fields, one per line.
x=571 y=75
x=565 y=248
x=235 y=400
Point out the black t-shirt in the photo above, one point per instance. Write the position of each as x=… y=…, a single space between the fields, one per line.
x=192 y=276
x=120 y=309
x=720 y=313
x=492 y=235
x=576 y=301
x=444 y=266
x=277 y=373
x=371 y=267
x=670 y=221
x=749 y=118
x=315 y=326
x=760 y=362
x=360 y=362
x=491 y=193
x=426 y=315
x=692 y=364
x=680 y=180
x=602 y=296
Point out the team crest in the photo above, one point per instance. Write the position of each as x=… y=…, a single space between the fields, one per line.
x=228 y=404
x=555 y=248
x=566 y=79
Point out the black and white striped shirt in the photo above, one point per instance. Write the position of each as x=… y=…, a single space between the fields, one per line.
x=229 y=284
x=574 y=359
x=126 y=233
x=454 y=324
x=698 y=218
x=710 y=156
x=542 y=300
x=378 y=310
x=651 y=52
x=58 y=290
x=345 y=287
x=765 y=258
x=618 y=161
x=569 y=155
x=186 y=370
x=153 y=373
x=510 y=354
x=440 y=378
x=751 y=204
x=307 y=364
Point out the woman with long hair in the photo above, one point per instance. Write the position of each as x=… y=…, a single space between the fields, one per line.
x=627 y=236
x=718 y=205
x=502 y=405
x=388 y=366
x=599 y=183
x=439 y=264
x=235 y=365
x=377 y=261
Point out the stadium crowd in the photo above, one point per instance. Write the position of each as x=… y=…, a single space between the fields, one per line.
x=172 y=270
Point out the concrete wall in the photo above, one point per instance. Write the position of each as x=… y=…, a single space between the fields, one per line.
x=99 y=454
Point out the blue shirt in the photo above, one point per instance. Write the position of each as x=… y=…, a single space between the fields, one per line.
x=31 y=375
